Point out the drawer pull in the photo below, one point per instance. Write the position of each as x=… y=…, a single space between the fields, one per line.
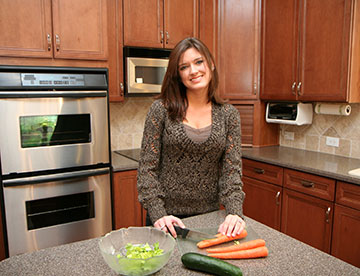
x=327 y=214
x=277 y=197
x=259 y=171
x=307 y=184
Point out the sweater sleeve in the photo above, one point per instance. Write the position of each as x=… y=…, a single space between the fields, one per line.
x=151 y=194
x=230 y=184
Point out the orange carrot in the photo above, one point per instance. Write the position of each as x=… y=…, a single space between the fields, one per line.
x=237 y=247
x=221 y=239
x=257 y=252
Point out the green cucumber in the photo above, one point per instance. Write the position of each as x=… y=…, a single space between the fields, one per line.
x=199 y=262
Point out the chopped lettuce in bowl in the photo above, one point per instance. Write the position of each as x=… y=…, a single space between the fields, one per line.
x=137 y=251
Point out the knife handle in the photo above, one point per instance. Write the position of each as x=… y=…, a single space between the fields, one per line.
x=181 y=231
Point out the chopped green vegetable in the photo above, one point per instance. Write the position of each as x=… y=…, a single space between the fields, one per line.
x=142 y=251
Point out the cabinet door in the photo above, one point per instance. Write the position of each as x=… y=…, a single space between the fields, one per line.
x=279 y=50
x=324 y=50
x=80 y=29
x=239 y=48
x=180 y=21
x=143 y=23
x=25 y=28
x=262 y=202
x=127 y=209
x=307 y=218
x=345 y=239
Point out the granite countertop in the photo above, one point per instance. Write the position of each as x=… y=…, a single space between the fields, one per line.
x=323 y=164
x=287 y=256
x=329 y=165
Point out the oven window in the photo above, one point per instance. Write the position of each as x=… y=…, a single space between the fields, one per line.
x=51 y=130
x=59 y=210
x=149 y=75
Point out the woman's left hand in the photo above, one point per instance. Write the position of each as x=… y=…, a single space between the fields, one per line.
x=232 y=225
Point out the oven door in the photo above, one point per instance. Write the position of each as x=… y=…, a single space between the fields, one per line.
x=57 y=130
x=58 y=209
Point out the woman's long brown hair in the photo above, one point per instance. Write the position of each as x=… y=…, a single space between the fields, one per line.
x=173 y=91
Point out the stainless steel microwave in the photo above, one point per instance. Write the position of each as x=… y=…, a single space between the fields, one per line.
x=144 y=70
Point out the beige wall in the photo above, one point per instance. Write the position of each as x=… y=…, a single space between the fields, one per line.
x=313 y=137
x=127 y=122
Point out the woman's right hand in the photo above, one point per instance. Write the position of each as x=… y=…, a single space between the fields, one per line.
x=166 y=224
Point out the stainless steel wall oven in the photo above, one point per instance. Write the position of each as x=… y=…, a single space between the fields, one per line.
x=55 y=155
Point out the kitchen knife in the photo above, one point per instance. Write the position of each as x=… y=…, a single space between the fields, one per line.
x=186 y=233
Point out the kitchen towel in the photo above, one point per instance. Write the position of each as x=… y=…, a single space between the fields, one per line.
x=333 y=109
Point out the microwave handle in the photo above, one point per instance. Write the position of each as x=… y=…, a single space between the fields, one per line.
x=52 y=94
x=55 y=177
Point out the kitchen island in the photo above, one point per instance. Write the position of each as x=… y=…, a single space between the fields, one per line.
x=287 y=256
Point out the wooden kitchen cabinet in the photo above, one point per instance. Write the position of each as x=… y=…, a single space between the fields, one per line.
x=127 y=210
x=239 y=52
x=159 y=23
x=255 y=132
x=263 y=189
x=345 y=239
x=307 y=208
x=310 y=50
x=72 y=29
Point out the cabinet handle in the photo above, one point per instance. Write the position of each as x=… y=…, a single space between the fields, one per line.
x=255 y=88
x=49 y=41
x=327 y=215
x=57 y=42
x=299 y=89
x=307 y=184
x=259 y=171
x=161 y=37
x=277 y=197
x=167 y=37
x=121 y=89
x=293 y=88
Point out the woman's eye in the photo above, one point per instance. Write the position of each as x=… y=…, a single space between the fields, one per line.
x=182 y=68
x=199 y=61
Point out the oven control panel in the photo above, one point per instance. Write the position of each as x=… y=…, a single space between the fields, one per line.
x=52 y=79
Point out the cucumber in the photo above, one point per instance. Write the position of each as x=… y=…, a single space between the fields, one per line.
x=199 y=262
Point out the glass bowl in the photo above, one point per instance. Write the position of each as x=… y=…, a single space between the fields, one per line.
x=112 y=247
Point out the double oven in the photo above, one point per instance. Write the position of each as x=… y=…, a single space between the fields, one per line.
x=55 y=156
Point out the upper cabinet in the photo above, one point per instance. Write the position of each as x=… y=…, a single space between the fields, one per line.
x=65 y=29
x=239 y=50
x=159 y=23
x=310 y=50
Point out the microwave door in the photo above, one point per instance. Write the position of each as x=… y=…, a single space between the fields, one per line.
x=145 y=75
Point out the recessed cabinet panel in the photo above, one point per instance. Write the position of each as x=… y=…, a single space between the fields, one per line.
x=25 y=28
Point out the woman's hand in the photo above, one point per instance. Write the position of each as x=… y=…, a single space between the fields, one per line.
x=166 y=223
x=232 y=225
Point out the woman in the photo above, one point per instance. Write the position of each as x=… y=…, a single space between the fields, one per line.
x=190 y=160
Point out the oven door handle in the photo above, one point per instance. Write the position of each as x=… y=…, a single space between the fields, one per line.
x=52 y=94
x=55 y=177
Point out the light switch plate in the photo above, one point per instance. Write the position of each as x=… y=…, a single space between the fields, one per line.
x=288 y=135
x=332 y=141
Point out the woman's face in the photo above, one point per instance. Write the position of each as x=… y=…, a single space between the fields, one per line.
x=194 y=71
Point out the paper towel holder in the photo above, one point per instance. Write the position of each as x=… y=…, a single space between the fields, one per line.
x=291 y=113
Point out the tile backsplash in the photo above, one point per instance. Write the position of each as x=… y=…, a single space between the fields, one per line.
x=127 y=122
x=313 y=137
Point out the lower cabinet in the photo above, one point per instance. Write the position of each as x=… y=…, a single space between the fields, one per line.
x=307 y=218
x=306 y=207
x=346 y=239
x=127 y=210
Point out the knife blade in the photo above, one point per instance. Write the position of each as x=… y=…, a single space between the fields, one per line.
x=186 y=233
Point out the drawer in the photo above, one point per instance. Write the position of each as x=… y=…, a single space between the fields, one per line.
x=348 y=194
x=310 y=184
x=262 y=171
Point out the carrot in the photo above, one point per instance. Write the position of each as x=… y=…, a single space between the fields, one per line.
x=221 y=239
x=237 y=247
x=257 y=252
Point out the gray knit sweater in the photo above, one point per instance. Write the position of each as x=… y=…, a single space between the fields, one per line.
x=178 y=176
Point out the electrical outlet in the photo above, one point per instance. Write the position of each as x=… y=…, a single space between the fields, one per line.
x=332 y=141
x=288 y=135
